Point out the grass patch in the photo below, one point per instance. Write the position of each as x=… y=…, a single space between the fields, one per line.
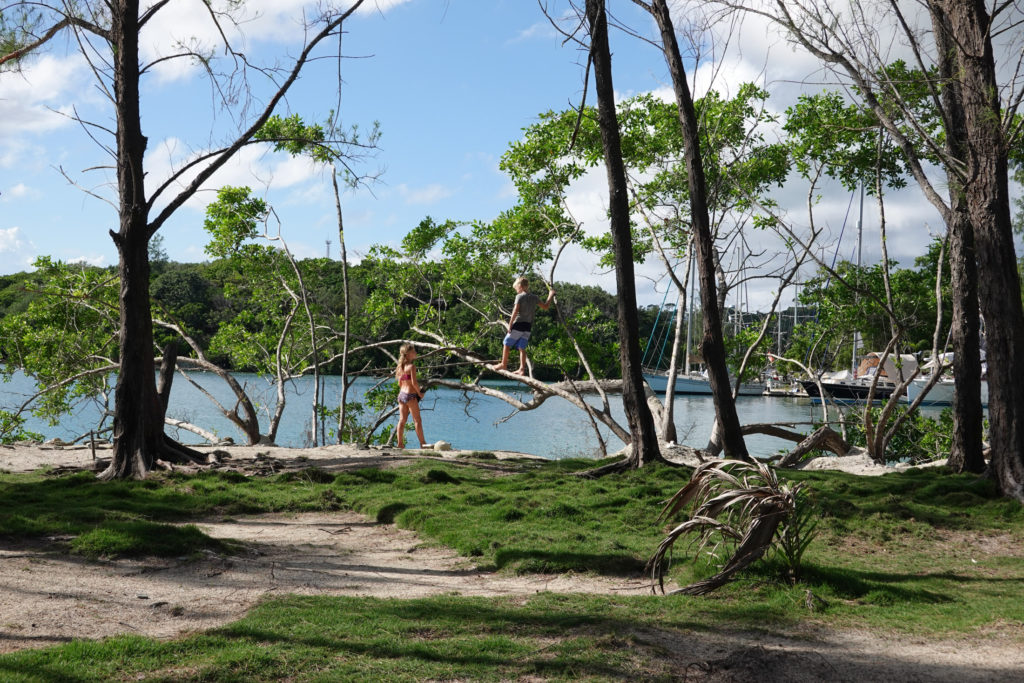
x=134 y=538
x=547 y=636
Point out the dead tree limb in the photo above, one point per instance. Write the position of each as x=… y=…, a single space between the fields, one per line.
x=823 y=438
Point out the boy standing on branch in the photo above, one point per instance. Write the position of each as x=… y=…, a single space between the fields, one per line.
x=521 y=322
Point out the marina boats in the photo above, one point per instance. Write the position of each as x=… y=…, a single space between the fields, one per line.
x=844 y=386
x=686 y=381
x=696 y=383
x=847 y=386
x=941 y=394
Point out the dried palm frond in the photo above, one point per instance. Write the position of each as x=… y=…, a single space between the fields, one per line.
x=733 y=502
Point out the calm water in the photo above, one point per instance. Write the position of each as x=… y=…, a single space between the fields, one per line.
x=468 y=421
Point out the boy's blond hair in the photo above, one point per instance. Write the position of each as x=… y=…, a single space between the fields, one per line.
x=521 y=281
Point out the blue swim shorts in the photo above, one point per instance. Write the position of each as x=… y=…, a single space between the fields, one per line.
x=516 y=339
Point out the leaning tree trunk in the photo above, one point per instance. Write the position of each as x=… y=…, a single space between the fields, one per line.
x=138 y=422
x=712 y=345
x=644 y=436
x=346 y=309
x=966 y=451
x=988 y=202
x=668 y=421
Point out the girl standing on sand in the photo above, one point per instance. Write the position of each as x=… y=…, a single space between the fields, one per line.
x=409 y=394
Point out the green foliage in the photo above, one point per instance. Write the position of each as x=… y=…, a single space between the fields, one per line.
x=796 y=532
x=919 y=438
x=739 y=164
x=455 y=282
x=323 y=143
x=66 y=338
x=20 y=25
x=827 y=131
x=14 y=293
x=233 y=219
x=290 y=134
x=736 y=346
x=185 y=295
x=12 y=428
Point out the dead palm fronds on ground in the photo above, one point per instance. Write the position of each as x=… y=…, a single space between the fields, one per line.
x=738 y=508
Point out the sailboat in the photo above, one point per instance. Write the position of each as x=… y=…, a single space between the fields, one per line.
x=941 y=393
x=855 y=386
x=695 y=383
x=687 y=382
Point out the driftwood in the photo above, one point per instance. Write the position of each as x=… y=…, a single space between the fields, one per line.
x=823 y=438
x=612 y=386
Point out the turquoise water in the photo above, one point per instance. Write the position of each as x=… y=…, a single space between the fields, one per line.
x=469 y=421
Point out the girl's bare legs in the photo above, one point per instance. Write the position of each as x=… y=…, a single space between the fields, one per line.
x=414 y=406
x=403 y=415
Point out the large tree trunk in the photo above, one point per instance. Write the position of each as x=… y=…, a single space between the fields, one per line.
x=988 y=203
x=712 y=345
x=641 y=423
x=966 y=452
x=138 y=419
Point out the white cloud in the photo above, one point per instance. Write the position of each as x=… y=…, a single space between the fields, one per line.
x=380 y=5
x=28 y=99
x=587 y=199
x=540 y=29
x=17 y=253
x=19 y=191
x=250 y=167
x=289 y=171
x=89 y=259
x=12 y=241
x=188 y=24
x=429 y=194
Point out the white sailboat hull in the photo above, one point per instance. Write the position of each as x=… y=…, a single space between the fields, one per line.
x=941 y=394
x=690 y=384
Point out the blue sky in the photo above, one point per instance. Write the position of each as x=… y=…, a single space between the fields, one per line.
x=451 y=82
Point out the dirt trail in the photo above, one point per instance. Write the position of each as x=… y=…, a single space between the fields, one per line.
x=48 y=597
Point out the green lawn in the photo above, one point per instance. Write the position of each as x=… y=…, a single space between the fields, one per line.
x=922 y=553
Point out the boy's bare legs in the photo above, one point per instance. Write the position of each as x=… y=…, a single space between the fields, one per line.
x=522 y=363
x=503 y=365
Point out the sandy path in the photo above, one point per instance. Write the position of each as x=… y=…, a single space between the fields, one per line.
x=46 y=597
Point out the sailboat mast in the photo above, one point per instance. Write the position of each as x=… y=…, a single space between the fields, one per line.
x=860 y=245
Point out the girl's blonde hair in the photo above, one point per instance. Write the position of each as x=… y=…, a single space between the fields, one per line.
x=403 y=358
